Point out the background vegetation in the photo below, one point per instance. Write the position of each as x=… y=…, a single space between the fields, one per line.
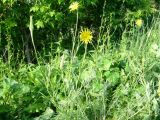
x=52 y=20
x=46 y=73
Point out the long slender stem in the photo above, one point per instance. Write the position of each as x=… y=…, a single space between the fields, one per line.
x=31 y=32
x=85 y=53
x=9 y=46
x=75 y=34
x=0 y=36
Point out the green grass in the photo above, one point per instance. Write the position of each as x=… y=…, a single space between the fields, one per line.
x=108 y=83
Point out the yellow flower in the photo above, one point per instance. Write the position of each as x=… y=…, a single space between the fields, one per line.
x=139 y=22
x=86 y=35
x=74 y=6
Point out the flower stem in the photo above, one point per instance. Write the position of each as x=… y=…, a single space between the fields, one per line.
x=85 y=53
x=75 y=34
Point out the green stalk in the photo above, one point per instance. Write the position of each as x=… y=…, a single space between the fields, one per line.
x=75 y=34
x=31 y=32
x=0 y=35
x=9 y=47
x=85 y=53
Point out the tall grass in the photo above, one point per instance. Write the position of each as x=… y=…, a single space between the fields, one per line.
x=109 y=83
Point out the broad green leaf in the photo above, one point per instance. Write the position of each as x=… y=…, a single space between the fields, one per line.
x=52 y=13
x=60 y=1
x=39 y=24
x=34 y=9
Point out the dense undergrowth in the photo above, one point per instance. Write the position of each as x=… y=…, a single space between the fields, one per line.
x=106 y=83
x=53 y=67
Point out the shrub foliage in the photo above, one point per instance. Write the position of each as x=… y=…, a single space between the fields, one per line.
x=51 y=18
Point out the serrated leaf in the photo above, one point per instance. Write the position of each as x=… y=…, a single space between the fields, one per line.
x=60 y=1
x=52 y=13
x=39 y=24
x=34 y=9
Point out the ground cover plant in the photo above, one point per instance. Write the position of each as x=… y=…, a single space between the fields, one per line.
x=108 y=71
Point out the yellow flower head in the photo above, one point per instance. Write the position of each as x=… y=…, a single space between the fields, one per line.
x=86 y=35
x=139 y=22
x=74 y=6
